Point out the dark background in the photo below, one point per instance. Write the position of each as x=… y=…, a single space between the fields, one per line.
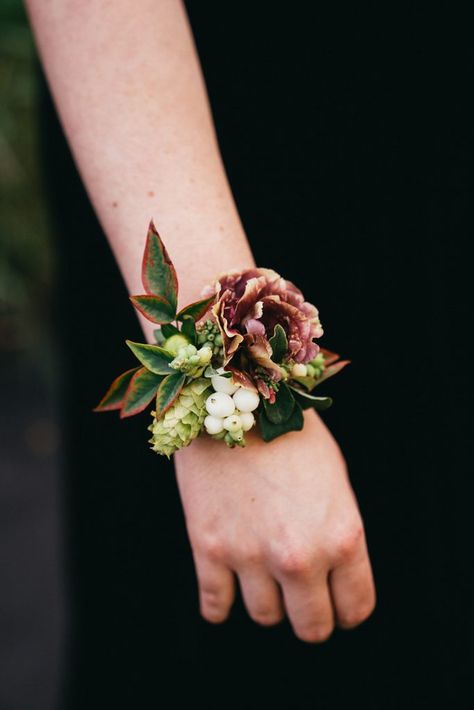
x=348 y=142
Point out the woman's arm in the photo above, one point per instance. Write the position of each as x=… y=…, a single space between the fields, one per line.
x=282 y=516
x=132 y=101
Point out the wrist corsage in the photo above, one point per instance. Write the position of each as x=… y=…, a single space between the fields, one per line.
x=243 y=355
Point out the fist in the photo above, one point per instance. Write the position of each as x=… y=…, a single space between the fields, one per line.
x=282 y=519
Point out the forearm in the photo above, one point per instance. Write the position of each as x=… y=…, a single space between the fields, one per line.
x=129 y=91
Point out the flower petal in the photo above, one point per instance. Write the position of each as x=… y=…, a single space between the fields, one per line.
x=260 y=352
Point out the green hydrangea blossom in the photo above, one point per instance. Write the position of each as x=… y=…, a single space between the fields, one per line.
x=183 y=421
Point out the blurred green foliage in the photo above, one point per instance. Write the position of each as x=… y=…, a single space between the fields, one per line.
x=26 y=255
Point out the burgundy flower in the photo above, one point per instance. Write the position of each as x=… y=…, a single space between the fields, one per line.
x=250 y=304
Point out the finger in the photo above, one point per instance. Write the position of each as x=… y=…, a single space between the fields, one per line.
x=262 y=596
x=216 y=589
x=352 y=588
x=308 y=604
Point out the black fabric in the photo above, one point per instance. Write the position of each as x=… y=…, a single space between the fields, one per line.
x=349 y=143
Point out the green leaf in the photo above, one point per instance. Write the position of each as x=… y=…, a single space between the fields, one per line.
x=305 y=380
x=169 y=389
x=322 y=403
x=281 y=410
x=141 y=390
x=159 y=337
x=308 y=400
x=197 y=309
x=279 y=343
x=155 y=308
x=158 y=273
x=189 y=329
x=270 y=430
x=210 y=372
x=153 y=357
x=114 y=396
x=168 y=330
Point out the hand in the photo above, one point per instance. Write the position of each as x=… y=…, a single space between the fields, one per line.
x=283 y=517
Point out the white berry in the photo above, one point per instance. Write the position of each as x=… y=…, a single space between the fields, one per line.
x=246 y=400
x=232 y=423
x=214 y=425
x=299 y=370
x=220 y=404
x=247 y=419
x=223 y=384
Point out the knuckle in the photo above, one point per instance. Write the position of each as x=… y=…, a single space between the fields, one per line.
x=213 y=547
x=347 y=542
x=251 y=555
x=294 y=561
x=316 y=633
x=289 y=551
x=246 y=553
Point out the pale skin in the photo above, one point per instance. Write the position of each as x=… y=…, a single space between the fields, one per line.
x=280 y=519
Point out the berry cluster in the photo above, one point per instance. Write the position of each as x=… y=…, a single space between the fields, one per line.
x=230 y=410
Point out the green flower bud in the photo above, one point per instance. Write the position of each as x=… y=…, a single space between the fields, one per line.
x=192 y=361
x=317 y=365
x=205 y=355
x=235 y=438
x=175 y=342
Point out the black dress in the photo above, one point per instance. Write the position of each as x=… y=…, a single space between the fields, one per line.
x=349 y=141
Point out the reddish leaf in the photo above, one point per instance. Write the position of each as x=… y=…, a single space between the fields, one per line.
x=114 y=396
x=140 y=392
x=158 y=273
x=332 y=370
x=155 y=308
x=197 y=309
x=153 y=357
x=169 y=389
x=329 y=356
